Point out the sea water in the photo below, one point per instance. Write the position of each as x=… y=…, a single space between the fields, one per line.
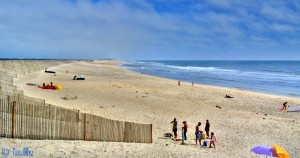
x=272 y=77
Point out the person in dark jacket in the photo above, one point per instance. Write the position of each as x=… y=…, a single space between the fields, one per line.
x=207 y=126
x=184 y=130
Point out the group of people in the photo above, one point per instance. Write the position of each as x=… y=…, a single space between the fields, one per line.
x=198 y=132
x=51 y=84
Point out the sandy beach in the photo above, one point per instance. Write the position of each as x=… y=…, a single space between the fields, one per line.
x=247 y=120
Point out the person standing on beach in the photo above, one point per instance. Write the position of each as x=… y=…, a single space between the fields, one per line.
x=207 y=126
x=284 y=105
x=198 y=133
x=174 y=128
x=184 y=130
x=179 y=83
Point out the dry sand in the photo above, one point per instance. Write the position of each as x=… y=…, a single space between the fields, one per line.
x=247 y=120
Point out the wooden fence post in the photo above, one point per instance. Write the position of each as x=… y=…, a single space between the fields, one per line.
x=151 y=133
x=8 y=100
x=77 y=134
x=78 y=113
x=13 y=117
x=84 y=126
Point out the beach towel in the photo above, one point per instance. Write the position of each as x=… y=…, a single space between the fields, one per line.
x=293 y=109
x=280 y=108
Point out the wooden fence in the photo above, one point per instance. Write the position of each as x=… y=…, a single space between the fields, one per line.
x=33 y=119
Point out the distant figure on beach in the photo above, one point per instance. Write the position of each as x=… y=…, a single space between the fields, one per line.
x=192 y=83
x=75 y=77
x=213 y=140
x=51 y=84
x=198 y=133
x=184 y=130
x=228 y=96
x=179 y=83
x=174 y=128
x=207 y=126
x=67 y=71
x=284 y=106
x=44 y=84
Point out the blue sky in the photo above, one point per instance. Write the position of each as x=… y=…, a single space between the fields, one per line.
x=151 y=29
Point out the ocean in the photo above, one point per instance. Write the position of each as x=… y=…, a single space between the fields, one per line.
x=271 y=77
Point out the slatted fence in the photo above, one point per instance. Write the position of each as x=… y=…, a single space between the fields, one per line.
x=36 y=120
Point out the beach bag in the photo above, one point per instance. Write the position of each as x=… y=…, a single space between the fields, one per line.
x=205 y=143
x=203 y=136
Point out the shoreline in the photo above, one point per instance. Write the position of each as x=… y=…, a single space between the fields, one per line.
x=231 y=85
x=119 y=64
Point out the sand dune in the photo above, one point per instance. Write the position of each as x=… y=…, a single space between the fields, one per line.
x=247 y=120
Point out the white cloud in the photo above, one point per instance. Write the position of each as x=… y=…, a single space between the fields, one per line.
x=121 y=29
x=282 y=27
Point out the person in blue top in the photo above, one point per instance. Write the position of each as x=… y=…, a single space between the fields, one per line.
x=184 y=130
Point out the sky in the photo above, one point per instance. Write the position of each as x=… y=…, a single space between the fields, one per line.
x=151 y=29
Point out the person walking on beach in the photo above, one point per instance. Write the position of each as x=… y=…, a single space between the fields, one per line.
x=179 y=83
x=207 y=126
x=284 y=106
x=174 y=128
x=213 y=140
x=198 y=133
x=184 y=130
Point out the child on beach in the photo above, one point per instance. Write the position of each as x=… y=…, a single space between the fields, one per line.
x=213 y=140
x=174 y=128
x=198 y=133
x=184 y=130
x=207 y=126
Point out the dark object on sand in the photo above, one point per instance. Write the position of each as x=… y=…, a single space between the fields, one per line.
x=50 y=71
x=218 y=107
x=228 y=96
x=78 y=78
x=69 y=97
x=30 y=84
x=168 y=135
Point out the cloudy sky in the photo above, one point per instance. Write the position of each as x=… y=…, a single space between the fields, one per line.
x=150 y=29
